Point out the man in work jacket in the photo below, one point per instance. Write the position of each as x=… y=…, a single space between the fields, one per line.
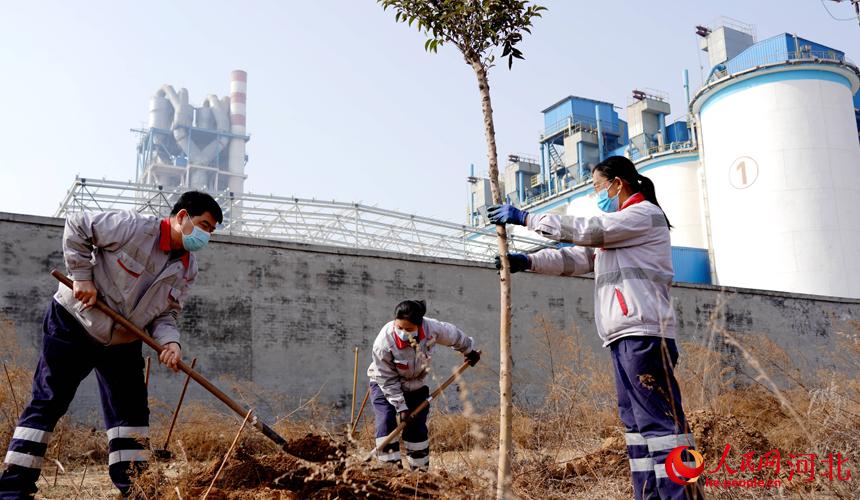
x=401 y=357
x=142 y=268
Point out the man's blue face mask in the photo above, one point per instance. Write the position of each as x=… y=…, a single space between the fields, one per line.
x=196 y=240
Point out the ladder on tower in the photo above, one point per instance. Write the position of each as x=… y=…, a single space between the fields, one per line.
x=555 y=159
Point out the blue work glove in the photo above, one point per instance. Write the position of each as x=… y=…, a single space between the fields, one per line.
x=519 y=262
x=507 y=214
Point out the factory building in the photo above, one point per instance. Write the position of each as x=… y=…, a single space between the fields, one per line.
x=759 y=175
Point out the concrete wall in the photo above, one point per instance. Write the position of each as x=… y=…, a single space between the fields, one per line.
x=285 y=316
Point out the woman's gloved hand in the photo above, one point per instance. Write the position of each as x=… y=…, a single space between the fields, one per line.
x=507 y=214
x=519 y=262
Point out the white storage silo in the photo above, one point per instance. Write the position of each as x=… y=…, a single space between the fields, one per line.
x=676 y=181
x=782 y=170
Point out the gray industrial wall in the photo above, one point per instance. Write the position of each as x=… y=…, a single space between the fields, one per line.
x=277 y=322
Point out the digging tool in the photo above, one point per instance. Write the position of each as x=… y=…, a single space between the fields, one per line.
x=146 y=371
x=354 y=384
x=164 y=453
x=424 y=404
x=146 y=339
x=354 y=423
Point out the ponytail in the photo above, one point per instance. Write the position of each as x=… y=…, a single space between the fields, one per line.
x=646 y=187
x=622 y=168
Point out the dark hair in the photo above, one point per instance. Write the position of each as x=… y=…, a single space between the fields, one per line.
x=622 y=168
x=198 y=203
x=411 y=310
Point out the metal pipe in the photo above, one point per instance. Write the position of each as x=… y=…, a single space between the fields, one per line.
x=687 y=107
x=661 y=120
x=521 y=194
x=687 y=89
x=472 y=219
x=543 y=167
x=580 y=159
x=146 y=339
x=599 y=115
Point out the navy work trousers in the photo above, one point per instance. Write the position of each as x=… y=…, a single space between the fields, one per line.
x=415 y=435
x=649 y=403
x=68 y=355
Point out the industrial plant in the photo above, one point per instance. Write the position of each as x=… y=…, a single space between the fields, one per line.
x=759 y=174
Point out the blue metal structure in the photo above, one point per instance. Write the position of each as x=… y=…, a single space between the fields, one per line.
x=678 y=132
x=775 y=50
x=571 y=115
x=691 y=265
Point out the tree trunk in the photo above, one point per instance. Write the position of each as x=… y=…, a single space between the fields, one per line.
x=503 y=485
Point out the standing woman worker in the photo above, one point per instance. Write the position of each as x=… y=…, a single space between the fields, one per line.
x=401 y=359
x=629 y=251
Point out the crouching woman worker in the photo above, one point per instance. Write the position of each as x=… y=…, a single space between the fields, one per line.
x=629 y=251
x=401 y=358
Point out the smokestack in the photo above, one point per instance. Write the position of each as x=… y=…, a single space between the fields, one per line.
x=236 y=158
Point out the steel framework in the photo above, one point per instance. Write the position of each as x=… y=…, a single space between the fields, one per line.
x=352 y=225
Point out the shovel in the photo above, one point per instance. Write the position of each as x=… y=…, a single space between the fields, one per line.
x=143 y=336
x=424 y=404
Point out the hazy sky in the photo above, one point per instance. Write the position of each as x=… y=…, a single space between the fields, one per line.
x=342 y=102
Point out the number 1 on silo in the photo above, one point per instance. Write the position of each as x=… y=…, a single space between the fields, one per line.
x=743 y=172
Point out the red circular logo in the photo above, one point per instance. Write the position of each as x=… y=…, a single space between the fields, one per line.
x=679 y=472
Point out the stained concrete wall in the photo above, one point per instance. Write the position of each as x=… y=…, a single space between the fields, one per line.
x=281 y=319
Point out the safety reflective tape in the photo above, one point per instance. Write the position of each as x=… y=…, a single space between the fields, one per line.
x=34 y=435
x=23 y=460
x=127 y=432
x=634 y=439
x=660 y=470
x=393 y=441
x=633 y=273
x=418 y=462
x=641 y=464
x=389 y=457
x=423 y=445
x=661 y=443
x=128 y=456
x=593 y=234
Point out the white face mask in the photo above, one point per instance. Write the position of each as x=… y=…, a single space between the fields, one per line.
x=404 y=335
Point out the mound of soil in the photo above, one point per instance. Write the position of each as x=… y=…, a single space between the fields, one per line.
x=318 y=467
x=608 y=461
x=714 y=431
x=314 y=448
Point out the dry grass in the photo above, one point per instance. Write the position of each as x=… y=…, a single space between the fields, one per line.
x=740 y=389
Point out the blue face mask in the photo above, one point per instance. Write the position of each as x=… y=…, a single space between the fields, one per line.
x=196 y=240
x=605 y=203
